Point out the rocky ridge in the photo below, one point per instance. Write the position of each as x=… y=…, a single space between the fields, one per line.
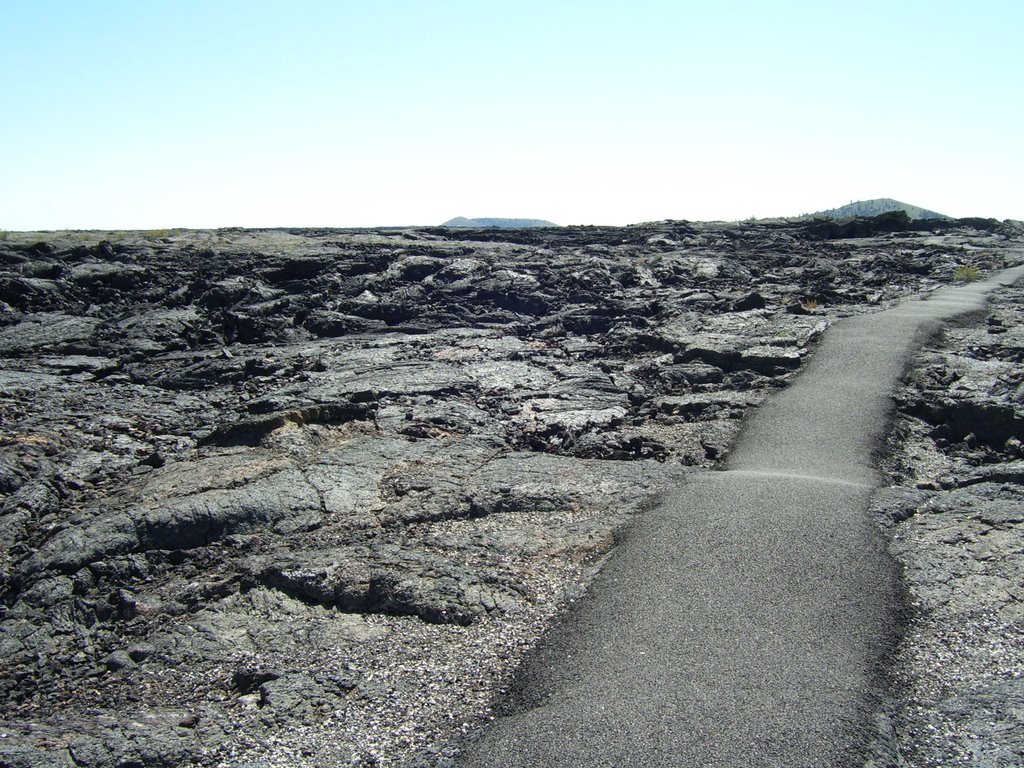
x=274 y=497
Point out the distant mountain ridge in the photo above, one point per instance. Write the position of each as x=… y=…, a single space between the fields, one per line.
x=461 y=221
x=878 y=206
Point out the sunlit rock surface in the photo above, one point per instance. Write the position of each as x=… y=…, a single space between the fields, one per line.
x=307 y=497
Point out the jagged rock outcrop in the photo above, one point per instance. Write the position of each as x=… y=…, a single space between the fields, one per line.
x=957 y=525
x=262 y=488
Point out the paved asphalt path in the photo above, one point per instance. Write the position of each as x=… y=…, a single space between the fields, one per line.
x=741 y=622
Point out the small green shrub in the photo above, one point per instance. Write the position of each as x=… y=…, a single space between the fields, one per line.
x=3 y=234
x=966 y=273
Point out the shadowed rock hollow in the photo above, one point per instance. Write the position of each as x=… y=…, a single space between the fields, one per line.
x=274 y=497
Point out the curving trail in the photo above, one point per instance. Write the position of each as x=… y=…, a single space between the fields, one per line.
x=741 y=622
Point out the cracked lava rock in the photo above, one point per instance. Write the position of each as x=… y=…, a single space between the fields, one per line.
x=295 y=497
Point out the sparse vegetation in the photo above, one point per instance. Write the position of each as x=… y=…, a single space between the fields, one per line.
x=3 y=234
x=877 y=207
x=966 y=273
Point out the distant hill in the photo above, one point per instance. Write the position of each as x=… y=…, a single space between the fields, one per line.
x=878 y=206
x=460 y=221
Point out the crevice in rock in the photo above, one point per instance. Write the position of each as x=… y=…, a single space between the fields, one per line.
x=251 y=432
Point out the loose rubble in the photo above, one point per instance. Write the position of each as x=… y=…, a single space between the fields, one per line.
x=956 y=518
x=283 y=498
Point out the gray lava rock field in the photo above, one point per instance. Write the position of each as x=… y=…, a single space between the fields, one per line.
x=956 y=518
x=286 y=498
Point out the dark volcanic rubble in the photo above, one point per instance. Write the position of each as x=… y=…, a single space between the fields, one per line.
x=956 y=518
x=306 y=497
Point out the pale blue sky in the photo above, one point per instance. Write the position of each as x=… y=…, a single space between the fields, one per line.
x=161 y=113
